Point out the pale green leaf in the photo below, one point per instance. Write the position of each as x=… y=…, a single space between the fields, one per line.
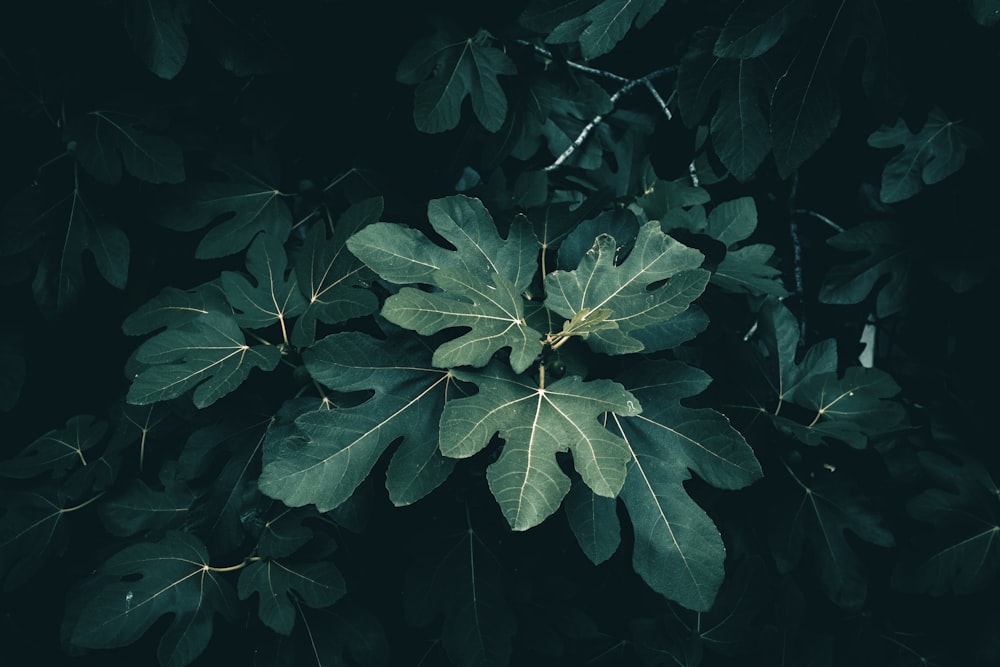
x=491 y=309
x=536 y=422
x=156 y=28
x=279 y=586
x=600 y=29
x=599 y=282
x=208 y=354
x=929 y=156
x=146 y=581
x=274 y=298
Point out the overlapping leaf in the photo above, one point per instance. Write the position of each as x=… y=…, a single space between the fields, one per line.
x=341 y=445
x=448 y=67
x=156 y=28
x=929 y=156
x=146 y=581
x=745 y=268
x=601 y=27
x=241 y=206
x=329 y=276
x=594 y=522
x=173 y=307
x=536 y=422
x=208 y=354
x=825 y=509
x=678 y=549
x=139 y=507
x=600 y=282
x=274 y=298
x=961 y=553
x=279 y=585
x=885 y=254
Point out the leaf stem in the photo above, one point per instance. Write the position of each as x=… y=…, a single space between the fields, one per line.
x=233 y=568
x=66 y=510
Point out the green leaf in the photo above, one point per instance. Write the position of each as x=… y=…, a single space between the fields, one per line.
x=449 y=67
x=58 y=452
x=173 y=307
x=341 y=445
x=594 y=522
x=745 y=268
x=274 y=298
x=139 y=507
x=492 y=310
x=536 y=422
x=146 y=581
x=678 y=550
x=929 y=156
x=106 y=139
x=461 y=579
x=242 y=206
x=961 y=552
x=823 y=511
x=600 y=29
x=600 y=282
x=156 y=28
x=31 y=528
x=280 y=585
x=208 y=354
x=402 y=255
x=331 y=278
x=755 y=27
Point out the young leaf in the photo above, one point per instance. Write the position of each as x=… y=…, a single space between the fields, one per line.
x=341 y=445
x=208 y=354
x=274 y=298
x=106 y=139
x=449 y=67
x=929 y=156
x=57 y=452
x=156 y=28
x=402 y=255
x=244 y=205
x=463 y=582
x=961 y=553
x=280 y=585
x=146 y=581
x=678 y=550
x=329 y=276
x=827 y=507
x=491 y=309
x=599 y=282
x=600 y=29
x=537 y=422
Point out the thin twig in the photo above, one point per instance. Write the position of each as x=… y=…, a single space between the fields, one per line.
x=820 y=217
x=571 y=64
x=793 y=232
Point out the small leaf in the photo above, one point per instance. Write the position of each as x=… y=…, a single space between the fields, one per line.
x=279 y=585
x=599 y=283
x=601 y=28
x=536 y=423
x=594 y=522
x=208 y=354
x=146 y=581
x=275 y=297
x=448 y=68
x=929 y=156
x=156 y=28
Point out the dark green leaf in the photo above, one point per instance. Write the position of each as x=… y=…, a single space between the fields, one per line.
x=173 y=308
x=157 y=31
x=885 y=254
x=929 y=156
x=274 y=298
x=31 y=528
x=543 y=16
x=146 y=581
x=58 y=452
x=600 y=29
x=106 y=139
x=342 y=444
x=279 y=585
x=743 y=268
x=537 y=422
x=755 y=27
x=139 y=508
x=208 y=354
x=594 y=522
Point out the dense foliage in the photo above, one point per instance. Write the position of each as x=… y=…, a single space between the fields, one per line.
x=590 y=332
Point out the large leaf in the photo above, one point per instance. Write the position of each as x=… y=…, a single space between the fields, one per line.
x=678 y=550
x=156 y=28
x=823 y=510
x=31 y=529
x=341 y=445
x=402 y=255
x=242 y=206
x=537 y=422
x=600 y=282
x=330 y=277
x=929 y=156
x=492 y=310
x=884 y=254
x=961 y=552
x=600 y=29
x=274 y=298
x=279 y=586
x=448 y=67
x=461 y=580
x=146 y=581
x=106 y=139
x=208 y=354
